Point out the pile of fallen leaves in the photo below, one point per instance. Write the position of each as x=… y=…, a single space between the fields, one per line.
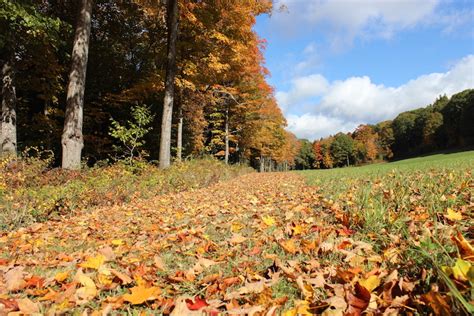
x=30 y=191
x=262 y=244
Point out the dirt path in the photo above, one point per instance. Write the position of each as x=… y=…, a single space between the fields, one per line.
x=229 y=233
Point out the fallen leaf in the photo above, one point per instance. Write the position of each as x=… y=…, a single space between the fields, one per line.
x=61 y=276
x=437 y=303
x=237 y=239
x=268 y=220
x=94 y=262
x=14 y=279
x=358 y=301
x=141 y=294
x=196 y=304
x=125 y=279
x=453 y=215
x=371 y=283
x=288 y=245
x=27 y=306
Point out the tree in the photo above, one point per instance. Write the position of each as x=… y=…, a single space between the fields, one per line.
x=305 y=157
x=165 y=142
x=342 y=149
x=72 y=139
x=28 y=39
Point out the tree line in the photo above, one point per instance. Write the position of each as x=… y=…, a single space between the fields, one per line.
x=160 y=80
x=446 y=124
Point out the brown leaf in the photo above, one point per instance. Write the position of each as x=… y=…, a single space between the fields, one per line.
x=358 y=301
x=125 y=279
x=437 y=303
x=14 y=279
x=27 y=306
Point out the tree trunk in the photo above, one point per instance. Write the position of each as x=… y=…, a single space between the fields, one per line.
x=226 y=136
x=262 y=164
x=165 y=142
x=72 y=140
x=8 y=144
x=179 y=145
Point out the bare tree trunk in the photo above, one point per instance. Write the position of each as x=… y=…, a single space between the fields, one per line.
x=165 y=142
x=179 y=145
x=226 y=137
x=262 y=164
x=72 y=140
x=8 y=141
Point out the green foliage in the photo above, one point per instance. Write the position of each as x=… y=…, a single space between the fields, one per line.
x=342 y=149
x=305 y=158
x=132 y=134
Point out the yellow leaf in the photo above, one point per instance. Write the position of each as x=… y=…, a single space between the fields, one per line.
x=371 y=283
x=268 y=220
x=301 y=308
x=461 y=270
x=289 y=245
x=88 y=291
x=236 y=227
x=453 y=215
x=93 y=262
x=61 y=276
x=117 y=242
x=297 y=230
x=141 y=294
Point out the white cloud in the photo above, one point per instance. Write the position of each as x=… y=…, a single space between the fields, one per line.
x=345 y=103
x=313 y=126
x=347 y=19
x=302 y=88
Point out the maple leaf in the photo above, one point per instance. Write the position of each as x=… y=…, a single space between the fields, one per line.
x=288 y=245
x=141 y=294
x=93 y=262
x=268 y=220
x=61 y=276
x=196 y=304
x=453 y=215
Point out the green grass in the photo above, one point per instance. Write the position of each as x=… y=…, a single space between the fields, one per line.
x=408 y=200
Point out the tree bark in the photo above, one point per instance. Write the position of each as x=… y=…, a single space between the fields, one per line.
x=165 y=142
x=72 y=139
x=8 y=141
x=179 y=145
x=262 y=164
x=226 y=137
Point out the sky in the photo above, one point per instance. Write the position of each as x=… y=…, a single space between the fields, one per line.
x=336 y=64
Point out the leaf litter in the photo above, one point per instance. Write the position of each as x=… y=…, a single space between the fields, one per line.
x=262 y=244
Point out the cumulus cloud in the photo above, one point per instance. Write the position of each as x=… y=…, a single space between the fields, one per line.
x=346 y=20
x=346 y=103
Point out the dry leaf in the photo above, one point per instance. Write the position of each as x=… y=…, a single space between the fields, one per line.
x=141 y=294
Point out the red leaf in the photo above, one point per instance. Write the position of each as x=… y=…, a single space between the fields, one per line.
x=358 y=301
x=197 y=304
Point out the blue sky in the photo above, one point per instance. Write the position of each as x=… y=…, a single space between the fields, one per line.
x=336 y=64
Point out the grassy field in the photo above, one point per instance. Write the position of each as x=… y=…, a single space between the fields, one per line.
x=415 y=208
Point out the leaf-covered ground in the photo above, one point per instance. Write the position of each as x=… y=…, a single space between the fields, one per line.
x=261 y=244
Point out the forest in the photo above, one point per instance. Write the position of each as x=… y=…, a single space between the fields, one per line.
x=447 y=124
x=106 y=80
x=131 y=134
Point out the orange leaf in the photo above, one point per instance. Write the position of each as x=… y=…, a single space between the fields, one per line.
x=289 y=245
x=141 y=294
